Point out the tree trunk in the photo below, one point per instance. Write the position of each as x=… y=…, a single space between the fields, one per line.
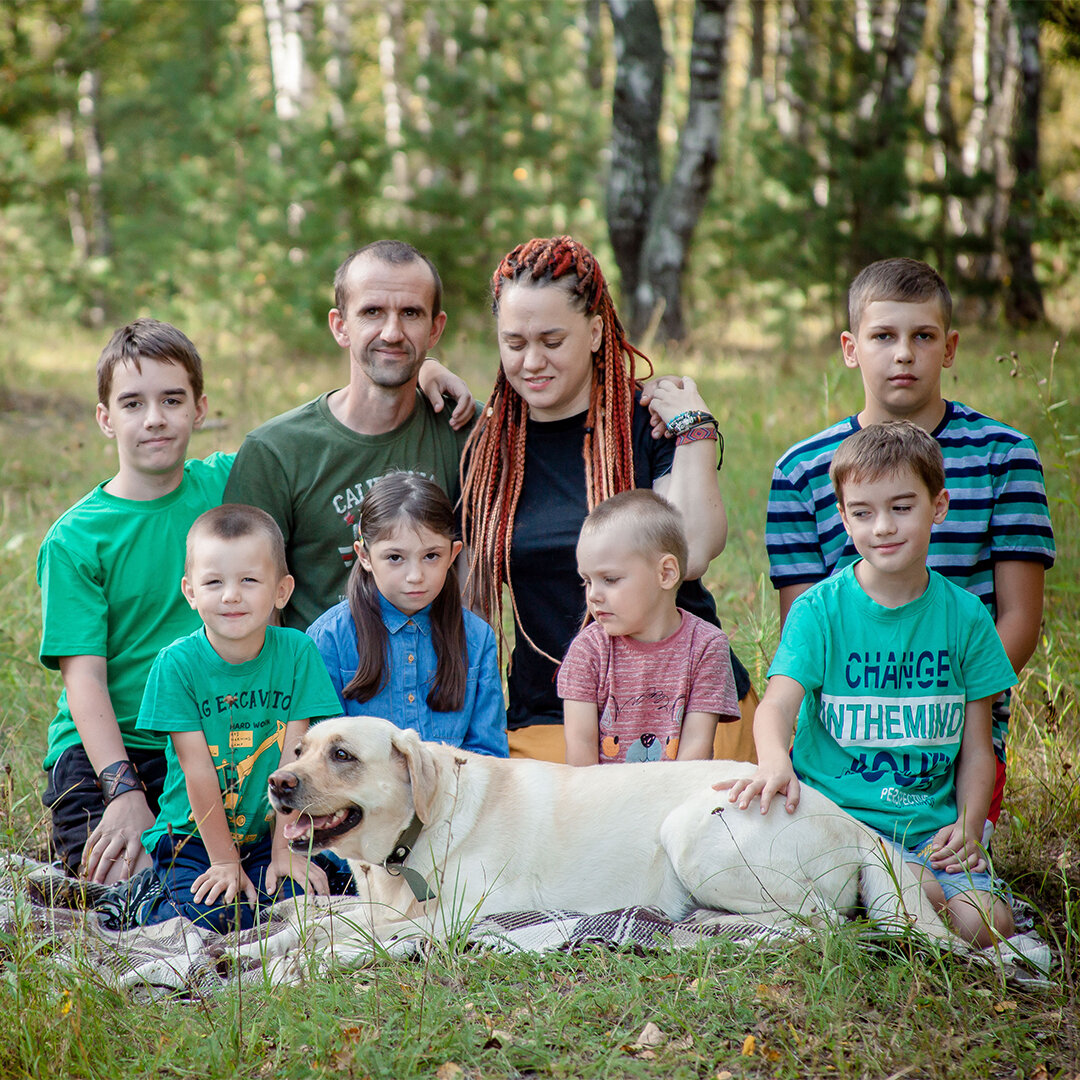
x=339 y=75
x=284 y=33
x=1023 y=295
x=672 y=223
x=391 y=31
x=940 y=123
x=634 y=177
x=89 y=97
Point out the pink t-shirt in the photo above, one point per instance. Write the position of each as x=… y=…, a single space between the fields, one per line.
x=643 y=689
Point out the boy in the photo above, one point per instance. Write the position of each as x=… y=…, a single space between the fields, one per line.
x=997 y=542
x=107 y=571
x=646 y=681
x=891 y=670
x=234 y=697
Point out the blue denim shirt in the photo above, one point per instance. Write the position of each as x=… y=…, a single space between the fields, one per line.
x=480 y=725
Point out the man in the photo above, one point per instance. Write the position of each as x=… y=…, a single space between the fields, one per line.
x=309 y=468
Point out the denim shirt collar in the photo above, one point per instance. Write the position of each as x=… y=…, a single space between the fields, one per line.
x=395 y=620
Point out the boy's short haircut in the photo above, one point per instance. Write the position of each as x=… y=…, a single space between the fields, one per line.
x=883 y=449
x=647 y=520
x=908 y=281
x=395 y=252
x=231 y=521
x=148 y=339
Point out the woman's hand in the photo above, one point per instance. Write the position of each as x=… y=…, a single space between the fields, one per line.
x=668 y=395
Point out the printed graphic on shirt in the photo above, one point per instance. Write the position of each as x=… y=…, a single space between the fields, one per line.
x=643 y=727
x=347 y=506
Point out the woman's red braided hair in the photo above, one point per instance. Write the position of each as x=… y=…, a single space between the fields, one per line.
x=494 y=460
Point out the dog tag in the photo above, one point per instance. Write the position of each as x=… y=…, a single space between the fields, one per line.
x=421 y=889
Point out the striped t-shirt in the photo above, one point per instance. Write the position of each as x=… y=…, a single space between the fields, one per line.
x=997 y=507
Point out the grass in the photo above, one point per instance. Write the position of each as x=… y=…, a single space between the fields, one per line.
x=822 y=1008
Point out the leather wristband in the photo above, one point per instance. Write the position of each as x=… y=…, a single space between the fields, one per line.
x=707 y=429
x=118 y=779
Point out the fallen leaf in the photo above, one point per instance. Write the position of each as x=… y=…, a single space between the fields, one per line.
x=1039 y=1073
x=449 y=1070
x=497 y=1039
x=749 y=1046
x=351 y=1033
x=1004 y=1006
x=723 y=1074
x=646 y=1055
x=682 y=1043
x=651 y=1035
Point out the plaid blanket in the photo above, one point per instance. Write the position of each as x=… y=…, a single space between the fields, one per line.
x=91 y=925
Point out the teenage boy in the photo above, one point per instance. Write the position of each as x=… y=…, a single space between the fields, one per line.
x=645 y=681
x=997 y=541
x=107 y=571
x=891 y=670
x=234 y=698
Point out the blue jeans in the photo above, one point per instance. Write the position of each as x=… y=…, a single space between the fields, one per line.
x=179 y=860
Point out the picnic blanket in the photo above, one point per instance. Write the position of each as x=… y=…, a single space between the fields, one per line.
x=91 y=926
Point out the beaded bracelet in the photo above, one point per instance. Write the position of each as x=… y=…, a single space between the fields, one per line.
x=692 y=418
x=118 y=779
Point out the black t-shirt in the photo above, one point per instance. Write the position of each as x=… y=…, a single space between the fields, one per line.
x=543 y=564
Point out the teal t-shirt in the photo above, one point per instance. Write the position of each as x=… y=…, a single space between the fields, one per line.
x=883 y=716
x=109 y=571
x=242 y=709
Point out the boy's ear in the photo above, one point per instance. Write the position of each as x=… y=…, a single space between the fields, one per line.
x=284 y=591
x=201 y=407
x=843 y=516
x=849 y=347
x=668 y=571
x=952 y=339
x=188 y=591
x=941 y=506
x=101 y=414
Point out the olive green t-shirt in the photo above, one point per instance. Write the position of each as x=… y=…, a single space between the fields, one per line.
x=310 y=473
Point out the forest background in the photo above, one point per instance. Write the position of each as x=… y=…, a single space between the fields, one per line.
x=733 y=163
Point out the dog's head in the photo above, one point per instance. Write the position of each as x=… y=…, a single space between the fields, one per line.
x=353 y=787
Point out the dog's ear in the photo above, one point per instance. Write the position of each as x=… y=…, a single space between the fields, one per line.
x=423 y=770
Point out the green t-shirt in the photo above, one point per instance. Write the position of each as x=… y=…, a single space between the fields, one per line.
x=242 y=709
x=310 y=473
x=109 y=571
x=883 y=717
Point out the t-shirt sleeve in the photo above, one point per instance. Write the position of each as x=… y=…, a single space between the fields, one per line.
x=258 y=479
x=801 y=652
x=579 y=673
x=985 y=665
x=314 y=696
x=74 y=608
x=169 y=701
x=712 y=681
x=1020 y=526
x=791 y=533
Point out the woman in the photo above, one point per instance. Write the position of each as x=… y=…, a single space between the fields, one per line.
x=564 y=429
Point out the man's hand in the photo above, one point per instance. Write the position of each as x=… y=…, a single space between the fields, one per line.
x=114 y=850
x=225 y=881
x=436 y=380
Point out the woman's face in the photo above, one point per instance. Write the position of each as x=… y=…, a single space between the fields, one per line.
x=546 y=347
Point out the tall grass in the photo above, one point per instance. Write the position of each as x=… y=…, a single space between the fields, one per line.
x=821 y=1008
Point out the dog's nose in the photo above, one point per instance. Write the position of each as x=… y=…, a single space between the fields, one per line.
x=283 y=781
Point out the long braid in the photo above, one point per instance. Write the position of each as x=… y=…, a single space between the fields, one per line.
x=493 y=465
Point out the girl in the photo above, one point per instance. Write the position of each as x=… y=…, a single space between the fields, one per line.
x=566 y=426
x=400 y=646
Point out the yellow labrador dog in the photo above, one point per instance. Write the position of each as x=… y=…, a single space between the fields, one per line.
x=482 y=835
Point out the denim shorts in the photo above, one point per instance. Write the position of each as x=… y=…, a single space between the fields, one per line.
x=963 y=881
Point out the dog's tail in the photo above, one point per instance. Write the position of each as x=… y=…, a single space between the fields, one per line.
x=895 y=900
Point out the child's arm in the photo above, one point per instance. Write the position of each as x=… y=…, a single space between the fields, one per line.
x=774 y=721
x=697 y=736
x=958 y=847
x=1018 y=595
x=114 y=849
x=226 y=877
x=284 y=862
x=788 y=594
x=581 y=726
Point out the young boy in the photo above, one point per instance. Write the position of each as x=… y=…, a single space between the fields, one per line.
x=234 y=697
x=107 y=570
x=646 y=681
x=997 y=542
x=891 y=671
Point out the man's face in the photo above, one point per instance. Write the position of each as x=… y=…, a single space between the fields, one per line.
x=387 y=325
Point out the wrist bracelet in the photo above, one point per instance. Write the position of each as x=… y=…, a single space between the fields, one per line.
x=684 y=421
x=118 y=779
x=707 y=430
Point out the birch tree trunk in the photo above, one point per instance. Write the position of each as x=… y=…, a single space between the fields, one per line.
x=634 y=177
x=284 y=33
x=100 y=243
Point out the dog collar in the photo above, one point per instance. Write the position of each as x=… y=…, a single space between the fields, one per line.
x=394 y=863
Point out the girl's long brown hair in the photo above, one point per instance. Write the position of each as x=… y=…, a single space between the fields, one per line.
x=402 y=498
x=493 y=464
